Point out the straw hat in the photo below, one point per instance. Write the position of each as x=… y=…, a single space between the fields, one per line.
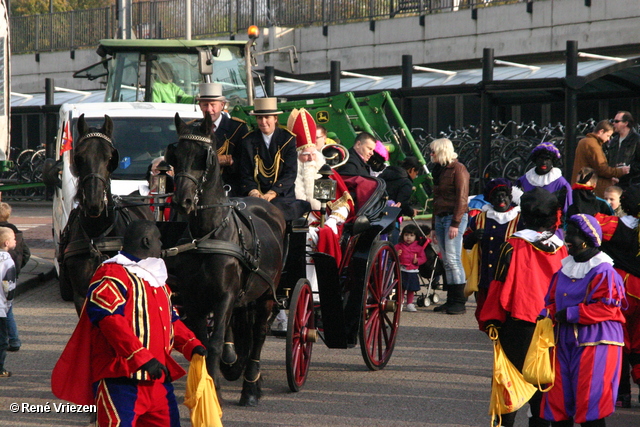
x=265 y=107
x=210 y=92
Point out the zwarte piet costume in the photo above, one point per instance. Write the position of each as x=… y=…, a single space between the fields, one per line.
x=588 y=351
x=127 y=320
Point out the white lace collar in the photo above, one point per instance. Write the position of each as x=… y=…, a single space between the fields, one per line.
x=546 y=238
x=578 y=270
x=629 y=221
x=542 y=180
x=501 y=217
x=153 y=270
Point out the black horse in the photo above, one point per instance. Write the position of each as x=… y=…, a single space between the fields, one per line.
x=236 y=266
x=95 y=227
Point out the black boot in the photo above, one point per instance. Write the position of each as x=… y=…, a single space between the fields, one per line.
x=457 y=298
x=448 y=302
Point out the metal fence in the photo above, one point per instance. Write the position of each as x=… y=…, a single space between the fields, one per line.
x=166 y=19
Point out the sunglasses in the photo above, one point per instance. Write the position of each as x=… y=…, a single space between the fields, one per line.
x=616 y=121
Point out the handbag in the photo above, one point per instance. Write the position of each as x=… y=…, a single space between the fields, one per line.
x=538 y=368
x=509 y=390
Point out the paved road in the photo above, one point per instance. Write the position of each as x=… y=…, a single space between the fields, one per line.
x=439 y=374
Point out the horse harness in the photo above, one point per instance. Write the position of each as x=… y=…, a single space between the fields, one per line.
x=94 y=175
x=249 y=257
x=96 y=246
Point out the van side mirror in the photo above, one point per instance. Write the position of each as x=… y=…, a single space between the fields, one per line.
x=51 y=170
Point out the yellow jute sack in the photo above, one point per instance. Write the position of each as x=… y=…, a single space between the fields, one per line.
x=509 y=390
x=471 y=264
x=538 y=367
x=201 y=397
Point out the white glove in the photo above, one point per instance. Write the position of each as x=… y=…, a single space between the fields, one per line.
x=332 y=223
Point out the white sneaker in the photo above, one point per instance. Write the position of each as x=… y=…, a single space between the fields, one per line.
x=411 y=307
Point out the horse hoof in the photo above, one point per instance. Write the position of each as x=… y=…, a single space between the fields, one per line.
x=249 y=401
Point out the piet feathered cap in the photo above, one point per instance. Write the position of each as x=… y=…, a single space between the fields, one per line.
x=589 y=226
x=630 y=200
x=539 y=203
x=496 y=184
x=301 y=123
x=545 y=147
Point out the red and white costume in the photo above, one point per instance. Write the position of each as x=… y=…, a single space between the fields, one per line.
x=127 y=320
x=323 y=239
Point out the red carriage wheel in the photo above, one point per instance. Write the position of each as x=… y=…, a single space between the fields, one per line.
x=301 y=334
x=381 y=304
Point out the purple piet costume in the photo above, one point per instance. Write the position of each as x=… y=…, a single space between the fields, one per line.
x=552 y=181
x=588 y=352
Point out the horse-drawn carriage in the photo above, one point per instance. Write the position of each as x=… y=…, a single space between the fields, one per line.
x=232 y=261
x=359 y=295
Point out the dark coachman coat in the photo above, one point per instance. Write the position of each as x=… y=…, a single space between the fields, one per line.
x=229 y=136
x=274 y=168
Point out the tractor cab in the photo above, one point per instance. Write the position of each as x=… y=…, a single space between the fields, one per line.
x=169 y=71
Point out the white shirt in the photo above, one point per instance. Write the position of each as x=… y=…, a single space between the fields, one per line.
x=267 y=139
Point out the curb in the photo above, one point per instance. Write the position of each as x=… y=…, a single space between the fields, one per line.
x=36 y=272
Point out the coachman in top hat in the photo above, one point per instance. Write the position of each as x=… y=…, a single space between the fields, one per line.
x=228 y=133
x=269 y=162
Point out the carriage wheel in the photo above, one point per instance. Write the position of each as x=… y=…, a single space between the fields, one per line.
x=382 y=302
x=301 y=334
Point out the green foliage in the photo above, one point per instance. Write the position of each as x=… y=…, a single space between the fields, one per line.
x=38 y=7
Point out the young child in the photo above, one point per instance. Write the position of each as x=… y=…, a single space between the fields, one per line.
x=8 y=276
x=585 y=200
x=20 y=255
x=612 y=196
x=411 y=256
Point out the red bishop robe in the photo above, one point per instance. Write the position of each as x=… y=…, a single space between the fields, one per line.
x=328 y=241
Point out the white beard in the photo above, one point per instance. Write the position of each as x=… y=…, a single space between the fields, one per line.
x=307 y=174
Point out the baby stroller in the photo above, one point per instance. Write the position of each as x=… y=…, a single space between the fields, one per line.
x=430 y=271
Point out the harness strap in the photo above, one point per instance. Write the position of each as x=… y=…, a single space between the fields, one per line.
x=226 y=248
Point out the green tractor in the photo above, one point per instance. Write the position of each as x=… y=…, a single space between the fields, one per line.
x=141 y=70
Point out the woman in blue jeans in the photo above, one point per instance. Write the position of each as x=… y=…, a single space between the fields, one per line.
x=450 y=194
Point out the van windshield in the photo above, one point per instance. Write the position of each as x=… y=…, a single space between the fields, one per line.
x=139 y=140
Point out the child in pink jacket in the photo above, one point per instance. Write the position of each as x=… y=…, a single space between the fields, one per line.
x=411 y=255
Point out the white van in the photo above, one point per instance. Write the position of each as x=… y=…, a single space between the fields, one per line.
x=141 y=132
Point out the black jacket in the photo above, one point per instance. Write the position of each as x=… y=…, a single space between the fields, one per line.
x=399 y=187
x=629 y=154
x=283 y=142
x=21 y=253
x=229 y=136
x=355 y=165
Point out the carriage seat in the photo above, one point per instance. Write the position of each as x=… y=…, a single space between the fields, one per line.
x=368 y=195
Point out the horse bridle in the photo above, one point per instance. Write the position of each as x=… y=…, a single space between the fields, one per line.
x=208 y=145
x=93 y=174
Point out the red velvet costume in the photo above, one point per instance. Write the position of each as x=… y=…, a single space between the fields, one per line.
x=521 y=294
x=620 y=242
x=127 y=321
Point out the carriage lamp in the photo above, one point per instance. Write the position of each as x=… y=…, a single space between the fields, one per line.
x=159 y=183
x=324 y=190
